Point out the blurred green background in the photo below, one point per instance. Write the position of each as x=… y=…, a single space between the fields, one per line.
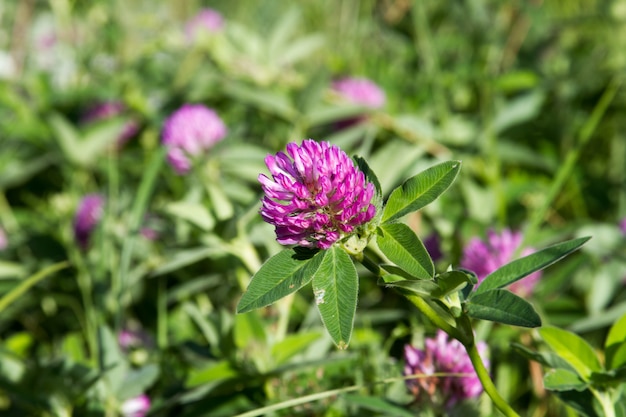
x=528 y=94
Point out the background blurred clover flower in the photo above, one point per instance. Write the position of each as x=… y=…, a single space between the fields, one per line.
x=108 y=109
x=136 y=407
x=87 y=217
x=484 y=257
x=191 y=131
x=206 y=21
x=316 y=195
x=358 y=90
x=4 y=241
x=442 y=355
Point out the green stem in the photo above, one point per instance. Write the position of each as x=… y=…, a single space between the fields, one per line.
x=147 y=185
x=605 y=402
x=485 y=379
x=424 y=47
x=565 y=171
x=85 y=287
x=8 y=298
x=162 y=313
x=417 y=301
x=432 y=315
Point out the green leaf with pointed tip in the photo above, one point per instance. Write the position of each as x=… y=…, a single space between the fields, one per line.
x=563 y=380
x=282 y=274
x=547 y=358
x=420 y=190
x=502 y=306
x=525 y=266
x=402 y=246
x=335 y=288
x=370 y=176
x=615 y=344
x=573 y=349
x=422 y=287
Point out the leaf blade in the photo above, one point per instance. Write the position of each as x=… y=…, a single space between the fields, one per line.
x=615 y=344
x=573 y=349
x=336 y=287
x=503 y=306
x=420 y=190
x=402 y=246
x=522 y=267
x=282 y=274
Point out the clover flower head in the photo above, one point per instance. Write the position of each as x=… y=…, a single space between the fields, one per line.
x=207 y=20
x=136 y=407
x=87 y=217
x=622 y=225
x=484 y=257
x=108 y=109
x=360 y=91
x=191 y=131
x=316 y=195
x=443 y=356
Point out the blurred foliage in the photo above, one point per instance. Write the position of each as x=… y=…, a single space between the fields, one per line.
x=526 y=93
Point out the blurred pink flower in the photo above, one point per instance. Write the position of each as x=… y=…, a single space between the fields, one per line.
x=360 y=91
x=151 y=227
x=4 y=241
x=136 y=407
x=46 y=40
x=206 y=21
x=622 y=225
x=108 y=109
x=87 y=217
x=484 y=257
x=447 y=356
x=134 y=336
x=191 y=131
x=128 y=339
